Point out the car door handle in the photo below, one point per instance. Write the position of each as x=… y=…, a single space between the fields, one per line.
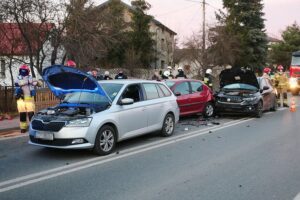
x=143 y=109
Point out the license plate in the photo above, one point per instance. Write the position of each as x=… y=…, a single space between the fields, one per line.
x=44 y=135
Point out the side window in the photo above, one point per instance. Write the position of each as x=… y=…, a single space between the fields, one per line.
x=133 y=92
x=165 y=90
x=196 y=87
x=182 y=88
x=160 y=92
x=151 y=91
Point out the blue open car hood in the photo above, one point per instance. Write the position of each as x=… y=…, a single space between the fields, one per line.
x=63 y=80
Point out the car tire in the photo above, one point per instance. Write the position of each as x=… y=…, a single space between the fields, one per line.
x=259 y=109
x=168 y=125
x=209 y=110
x=275 y=105
x=105 y=141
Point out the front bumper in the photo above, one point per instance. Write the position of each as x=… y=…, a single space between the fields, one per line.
x=63 y=139
x=222 y=107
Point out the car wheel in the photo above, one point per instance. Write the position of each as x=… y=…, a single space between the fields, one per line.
x=105 y=140
x=209 y=110
x=168 y=125
x=275 y=105
x=259 y=109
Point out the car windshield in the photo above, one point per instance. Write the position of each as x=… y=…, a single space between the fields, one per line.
x=112 y=89
x=170 y=83
x=239 y=86
x=86 y=98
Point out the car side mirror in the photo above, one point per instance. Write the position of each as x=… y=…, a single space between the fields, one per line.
x=177 y=94
x=126 y=101
x=266 y=87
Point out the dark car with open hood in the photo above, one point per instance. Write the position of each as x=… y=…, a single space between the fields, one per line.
x=239 y=93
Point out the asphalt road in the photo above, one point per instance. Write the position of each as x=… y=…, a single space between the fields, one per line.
x=241 y=158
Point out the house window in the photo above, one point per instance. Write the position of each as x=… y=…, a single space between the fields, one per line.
x=2 y=68
x=162 y=44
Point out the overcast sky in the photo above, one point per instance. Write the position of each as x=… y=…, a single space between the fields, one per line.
x=185 y=16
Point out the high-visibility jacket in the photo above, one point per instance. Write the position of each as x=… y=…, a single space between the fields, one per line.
x=281 y=81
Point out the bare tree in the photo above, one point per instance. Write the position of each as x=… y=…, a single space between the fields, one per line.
x=35 y=20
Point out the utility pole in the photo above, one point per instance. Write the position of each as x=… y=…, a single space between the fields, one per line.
x=203 y=34
x=203 y=26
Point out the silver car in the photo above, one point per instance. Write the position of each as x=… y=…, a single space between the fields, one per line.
x=96 y=115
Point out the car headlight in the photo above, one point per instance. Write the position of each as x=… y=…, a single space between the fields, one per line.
x=249 y=98
x=293 y=82
x=83 y=122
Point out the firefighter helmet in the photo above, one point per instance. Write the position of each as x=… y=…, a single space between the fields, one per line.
x=267 y=70
x=209 y=71
x=24 y=70
x=166 y=73
x=71 y=63
x=280 y=68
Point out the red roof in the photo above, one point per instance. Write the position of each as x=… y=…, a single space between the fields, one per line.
x=12 y=41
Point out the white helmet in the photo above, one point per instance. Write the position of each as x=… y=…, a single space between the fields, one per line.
x=209 y=71
x=180 y=68
x=106 y=73
x=169 y=67
x=228 y=67
x=167 y=73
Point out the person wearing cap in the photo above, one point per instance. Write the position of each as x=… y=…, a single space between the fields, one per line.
x=106 y=76
x=180 y=74
x=121 y=75
x=24 y=93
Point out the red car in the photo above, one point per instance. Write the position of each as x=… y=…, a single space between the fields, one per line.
x=193 y=96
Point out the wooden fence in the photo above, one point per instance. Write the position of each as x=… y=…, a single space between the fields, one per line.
x=44 y=98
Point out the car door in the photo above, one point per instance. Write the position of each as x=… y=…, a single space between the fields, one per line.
x=182 y=91
x=133 y=117
x=266 y=94
x=155 y=105
x=198 y=97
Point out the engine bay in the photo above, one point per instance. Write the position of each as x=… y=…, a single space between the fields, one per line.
x=64 y=113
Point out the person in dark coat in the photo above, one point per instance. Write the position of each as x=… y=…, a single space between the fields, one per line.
x=180 y=74
x=106 y=76
x=121 y=75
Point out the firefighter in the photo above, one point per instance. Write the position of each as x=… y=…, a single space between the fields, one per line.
x=267 y=72
x=170 y=71
x=180 y=74
x=166 y=75
x=24 y=93
x=106 y=76
x=281 y=84
x=121 y=75
x=208 y=78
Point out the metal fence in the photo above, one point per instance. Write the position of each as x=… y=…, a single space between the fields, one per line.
x=44 y=98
